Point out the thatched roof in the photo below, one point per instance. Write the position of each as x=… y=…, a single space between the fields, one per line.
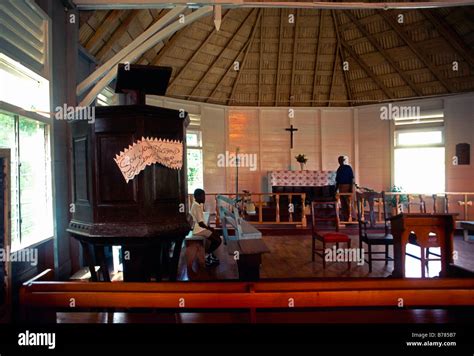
x=300 y=63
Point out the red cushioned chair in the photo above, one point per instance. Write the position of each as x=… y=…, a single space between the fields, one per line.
x=325 y=228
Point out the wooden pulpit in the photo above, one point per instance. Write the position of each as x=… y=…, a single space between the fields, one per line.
x=430 y=230
x=146 y=216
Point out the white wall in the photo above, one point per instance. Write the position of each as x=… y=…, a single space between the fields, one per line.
x=323 y=134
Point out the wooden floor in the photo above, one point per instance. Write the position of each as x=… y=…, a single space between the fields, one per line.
x=290 y=257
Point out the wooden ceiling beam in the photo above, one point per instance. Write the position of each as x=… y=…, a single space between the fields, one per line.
x=344 y=72
x=132 y=53
x=102 y=30
x=216 y=59
x=244 y=48
x=293 y=64
x=450 y=35
x=334 y=66
x=252 y=36
x=367 y=69
x=316 y=61
x=138 y=46
x=195 y=54
x=260 y=47
x=373 y=41
x=416 y=50
x=170 y=43
x=280 y=34
x=382 y=5
x=118 y=33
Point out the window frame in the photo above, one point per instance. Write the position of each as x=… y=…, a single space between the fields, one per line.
x=18 y=113
x=420 y=129
x=199 y=147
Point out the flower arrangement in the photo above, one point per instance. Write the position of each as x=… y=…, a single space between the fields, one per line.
x=402 y=198
x=301 y=159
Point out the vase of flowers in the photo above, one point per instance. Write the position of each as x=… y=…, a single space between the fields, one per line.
x=301 y=159
x=397 y=203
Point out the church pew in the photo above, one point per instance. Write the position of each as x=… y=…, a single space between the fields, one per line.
x=246 y=245
x=52 y=296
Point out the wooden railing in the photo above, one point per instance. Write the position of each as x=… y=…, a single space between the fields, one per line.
x=261 y=200
x=449 y=202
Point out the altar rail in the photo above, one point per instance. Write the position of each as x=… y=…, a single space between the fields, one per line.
x=449 y=202
x=461 y=203
x=263 y=199
x=40 y=299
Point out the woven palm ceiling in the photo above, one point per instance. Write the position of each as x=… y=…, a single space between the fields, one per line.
x=301 y=63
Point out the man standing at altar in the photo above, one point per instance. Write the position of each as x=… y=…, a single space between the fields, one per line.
x=344 y=183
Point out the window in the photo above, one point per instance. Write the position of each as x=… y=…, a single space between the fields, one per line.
x=420 y=160
x=194 y=160
x=31 y=191
x=107 y=97
x=28 y=139
x=22 y=87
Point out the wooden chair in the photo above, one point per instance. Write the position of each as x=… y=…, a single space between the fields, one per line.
x=373 y=234
x=326 y=214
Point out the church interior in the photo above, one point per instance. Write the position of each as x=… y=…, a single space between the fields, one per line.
x=237 y=162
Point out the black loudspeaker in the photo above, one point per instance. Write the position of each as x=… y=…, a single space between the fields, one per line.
x=463 y=153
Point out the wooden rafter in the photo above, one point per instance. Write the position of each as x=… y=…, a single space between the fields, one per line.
x=373 y=41
x=156 y=13
x=451 y=36
x=334 y=66
x=417 y=50
x=260 y=57
x=333 y=75
x=252 y=36
x=295 y=47
x=366 y=68
x=468 y=14
x=224 y=47
x=316 y=61
x=139 y=45
x=118 y=33
x=170 y=43
x=102 y=30
x=84 y=16
x=280 y=34
x=229 y=67
x=344 y=72
x=196 y=53
x=383 y=5
x=132 y=53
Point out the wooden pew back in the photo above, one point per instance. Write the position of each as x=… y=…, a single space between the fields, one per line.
x=182 y=296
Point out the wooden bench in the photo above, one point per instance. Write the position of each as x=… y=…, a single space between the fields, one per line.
x=467 y=226
x=196 y=248
x=41 y=298
x=246 y=245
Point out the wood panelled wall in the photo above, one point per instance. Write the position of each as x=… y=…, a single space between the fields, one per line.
x=323 y=134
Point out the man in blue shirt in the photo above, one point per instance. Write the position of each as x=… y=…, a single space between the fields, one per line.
x=344 y=183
